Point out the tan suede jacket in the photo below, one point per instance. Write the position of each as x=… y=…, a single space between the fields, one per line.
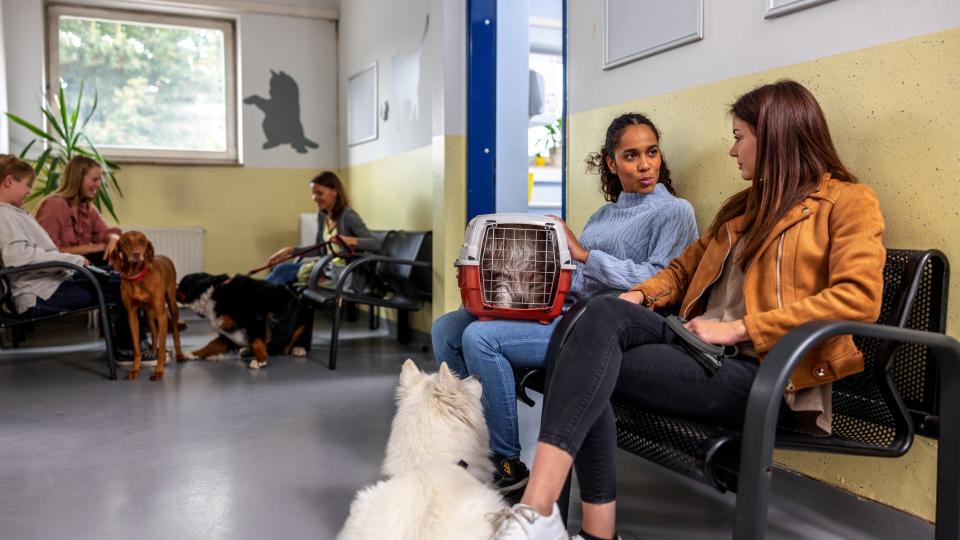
x=823 y=260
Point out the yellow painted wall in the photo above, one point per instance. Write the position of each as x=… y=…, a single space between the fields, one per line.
x=894 y=113
x=248 y=213
x=422 y=189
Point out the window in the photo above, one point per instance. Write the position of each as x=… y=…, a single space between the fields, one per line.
x=165 y=85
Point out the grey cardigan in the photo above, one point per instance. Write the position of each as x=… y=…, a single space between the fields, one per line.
x=349 y=224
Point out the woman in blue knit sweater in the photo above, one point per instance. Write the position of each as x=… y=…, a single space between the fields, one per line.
x=636 y=235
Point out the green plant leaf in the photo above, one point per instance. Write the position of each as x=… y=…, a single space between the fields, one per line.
x=41 y=161
x=62 y=106
x=23 y=153
x=89 y=114
x=36 y=131
x=53 y=181
x=103 y=199
x=56 y=126
x=76 y=110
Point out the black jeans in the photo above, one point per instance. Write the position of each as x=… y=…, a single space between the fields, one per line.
x=621 y=350
x=77 y=292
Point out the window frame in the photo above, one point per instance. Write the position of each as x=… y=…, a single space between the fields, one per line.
x=232 y=155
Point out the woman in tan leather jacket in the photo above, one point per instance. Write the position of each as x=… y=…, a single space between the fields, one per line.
x=802 y=243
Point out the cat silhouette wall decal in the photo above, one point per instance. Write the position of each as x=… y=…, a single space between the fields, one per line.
x=281 y=120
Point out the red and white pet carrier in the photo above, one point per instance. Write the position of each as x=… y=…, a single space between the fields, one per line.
x=514 y=266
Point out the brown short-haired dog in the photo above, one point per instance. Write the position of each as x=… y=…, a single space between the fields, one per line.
x=149 y=282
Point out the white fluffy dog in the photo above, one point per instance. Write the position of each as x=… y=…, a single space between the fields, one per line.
x=437 y=464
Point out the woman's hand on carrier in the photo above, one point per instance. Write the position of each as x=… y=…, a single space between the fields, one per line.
x=281 y=254
x=634 y=297
x=719 y=333
x=577 y=251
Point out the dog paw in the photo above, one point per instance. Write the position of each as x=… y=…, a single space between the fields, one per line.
x=156 y=376
x=298 y=352
x=183 y=357
x=254 y=364
x=133 y=375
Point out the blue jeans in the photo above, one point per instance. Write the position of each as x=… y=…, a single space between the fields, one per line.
x=490 y=350
x=283 y=273
x=77 y=293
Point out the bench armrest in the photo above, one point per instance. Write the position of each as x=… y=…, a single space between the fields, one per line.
x=354 y=264
x=101 y=303
x=759 y=429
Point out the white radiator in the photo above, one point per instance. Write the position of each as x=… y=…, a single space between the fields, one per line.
x=184 y=246
x=308 y=229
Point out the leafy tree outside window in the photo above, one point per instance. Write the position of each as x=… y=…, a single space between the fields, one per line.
x=165 y=85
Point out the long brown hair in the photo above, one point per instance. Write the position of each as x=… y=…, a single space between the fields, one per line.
x=597 y=161
x=330 y=180
x=794 y=151
x=72 y=179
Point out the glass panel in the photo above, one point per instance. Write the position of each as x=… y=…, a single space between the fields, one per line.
x=159 y=87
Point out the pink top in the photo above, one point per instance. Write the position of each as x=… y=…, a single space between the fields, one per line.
x=68 y=228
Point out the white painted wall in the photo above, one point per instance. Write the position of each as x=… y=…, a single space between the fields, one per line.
x=303 y=46
x=384 y=31
x=737 y=41
x=513 y=105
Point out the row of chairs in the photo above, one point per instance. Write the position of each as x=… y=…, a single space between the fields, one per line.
x=403 y=267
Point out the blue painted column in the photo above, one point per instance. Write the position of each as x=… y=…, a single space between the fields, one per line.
x=481 y=106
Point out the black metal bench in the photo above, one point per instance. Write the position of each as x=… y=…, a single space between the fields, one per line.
x=404 y=266
x=12 y=321
x=909 y=382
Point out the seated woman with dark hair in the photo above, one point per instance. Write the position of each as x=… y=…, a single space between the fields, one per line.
x=337 y=222
x=634 y=236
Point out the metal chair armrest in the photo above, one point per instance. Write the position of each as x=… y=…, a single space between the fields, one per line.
x=759 y=430
x=102 y=304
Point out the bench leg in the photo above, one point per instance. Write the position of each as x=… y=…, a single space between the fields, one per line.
x=335 y=336
x=948 y=449
x=374 y=317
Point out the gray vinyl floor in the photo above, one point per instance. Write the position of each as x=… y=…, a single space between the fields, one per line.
x=220 y=451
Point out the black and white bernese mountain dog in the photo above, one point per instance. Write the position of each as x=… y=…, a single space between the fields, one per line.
x=245 y=312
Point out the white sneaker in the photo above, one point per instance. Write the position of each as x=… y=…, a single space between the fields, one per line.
x=523 y=522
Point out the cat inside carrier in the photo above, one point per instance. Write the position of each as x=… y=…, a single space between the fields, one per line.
x=514 y=266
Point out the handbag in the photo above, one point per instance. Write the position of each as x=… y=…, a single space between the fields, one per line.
x=709 y=356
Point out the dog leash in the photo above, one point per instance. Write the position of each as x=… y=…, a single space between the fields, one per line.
x=298 y=252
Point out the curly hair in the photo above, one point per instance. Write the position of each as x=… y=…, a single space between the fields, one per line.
x=597 y=161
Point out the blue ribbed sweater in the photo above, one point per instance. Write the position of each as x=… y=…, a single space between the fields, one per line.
x=631 y=240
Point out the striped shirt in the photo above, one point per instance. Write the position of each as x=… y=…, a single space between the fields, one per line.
x=631 y=240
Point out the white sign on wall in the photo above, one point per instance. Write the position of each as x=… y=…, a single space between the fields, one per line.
x=777 y=8
x=678 y=22
x=362 y=105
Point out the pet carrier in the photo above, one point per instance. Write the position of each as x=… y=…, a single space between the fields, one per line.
x=514 y=266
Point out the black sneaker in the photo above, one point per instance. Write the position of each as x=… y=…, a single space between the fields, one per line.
x=510 y=478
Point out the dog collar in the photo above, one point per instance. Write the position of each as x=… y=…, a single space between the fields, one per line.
x=139 y=277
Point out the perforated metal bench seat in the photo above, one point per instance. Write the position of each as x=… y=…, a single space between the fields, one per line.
x=875 y=412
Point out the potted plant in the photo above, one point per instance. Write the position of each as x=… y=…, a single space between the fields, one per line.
x=550 y=141
x=66 y=141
